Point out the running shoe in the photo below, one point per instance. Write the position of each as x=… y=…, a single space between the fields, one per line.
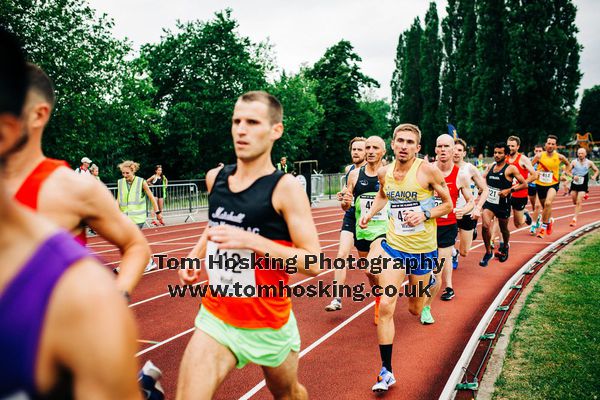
x=586 y=196
x=486 y=258
x=335 y=305
x=549 y=229
x=151 y=265
x=155 y=223
x=541 y=233
x=503 y=253
x=148 y=379
x=532 y=230
x=426 y=318
x=528 y=219
x=573 y=222
x=448 y=294
x=455 y=260
x=385 y=379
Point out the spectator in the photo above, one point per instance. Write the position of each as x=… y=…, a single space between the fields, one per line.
x=84 y=168
x=282 y=165
x=95 y=172
x=159 y=184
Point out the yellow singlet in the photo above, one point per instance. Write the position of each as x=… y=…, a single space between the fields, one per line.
x=548 y=169
x=406 y=196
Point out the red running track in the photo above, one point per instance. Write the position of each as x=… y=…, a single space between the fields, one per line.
x=340 y=355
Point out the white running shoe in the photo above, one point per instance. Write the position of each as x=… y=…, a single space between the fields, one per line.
x=152 y=370
x=151 y=265
x=335 y=305
x=385 y=379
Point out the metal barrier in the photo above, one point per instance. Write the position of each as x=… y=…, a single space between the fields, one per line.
x=180 y=199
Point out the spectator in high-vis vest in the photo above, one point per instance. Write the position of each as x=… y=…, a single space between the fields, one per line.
x=282 y=165
x=131 y=196
x=159 y=184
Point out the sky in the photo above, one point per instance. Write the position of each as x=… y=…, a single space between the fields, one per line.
x=301 y=31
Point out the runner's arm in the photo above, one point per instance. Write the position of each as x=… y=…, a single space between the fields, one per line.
x=102 y=214
x=191 y=276
x=91 y=333
x=464 y=186
x=347 y=198
x=437 y=182
x=380 y=199
x=513 y=173
x=298 y=218
x=533 y=175
x=595 y=169
x=483 y=188
x=567 y=164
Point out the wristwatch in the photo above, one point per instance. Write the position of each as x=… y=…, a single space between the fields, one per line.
x=512 y=189
x=427 y=214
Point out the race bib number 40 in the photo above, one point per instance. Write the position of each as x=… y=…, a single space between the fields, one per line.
x=494 y=196
x=546 y=176
x=578 y=180
x=399 y=213
x=228 y=267
x=366 y=202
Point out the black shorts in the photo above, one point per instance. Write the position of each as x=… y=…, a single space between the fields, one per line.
x=580 y=188
x=364 y=244
x=518 y=203
x=157 y=192
x=446 y=235
x=349 y=221
x=531 y=191
x=542 y=191
x=466 y=223
x=500 y=211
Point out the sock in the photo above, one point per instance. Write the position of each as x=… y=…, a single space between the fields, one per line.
x=339 y=299
x=386 y=356
x=454 y=252
x=544 y=225
x=378 y=300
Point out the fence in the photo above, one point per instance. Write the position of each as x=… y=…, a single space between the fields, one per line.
x=181 y=199
x=188 y=198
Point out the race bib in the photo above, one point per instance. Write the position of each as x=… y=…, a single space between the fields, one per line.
x=366 y=202
x=494 y=196
x=546 y=176
x=226 y=267
x=399 y=212
x=438 y=201
x=578 y=180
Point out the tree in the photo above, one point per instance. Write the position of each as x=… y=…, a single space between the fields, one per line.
x=488 y=116
x=430 y=65
x=378 y=111
x=451 y=28
x=339 y=84
x=411 y=107
x=465 y=67
x=302 y=116
x=199 y=72
x=397 y=83
x=75 y=47
x=588 y=119
x=544 y=67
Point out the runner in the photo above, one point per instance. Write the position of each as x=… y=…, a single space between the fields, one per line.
x=467 y=225
x=357 y=154
x=264 y=202
x=49 y=311
x=447 y=230
x=581 y=174
x=159 y=184
x=518 y=200
x=499 y=178
x=408 y=183
x=363 y=185
x=68 y=199
x=547 y=183
x=536 y=207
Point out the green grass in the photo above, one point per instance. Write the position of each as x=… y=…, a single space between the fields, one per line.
x=554 y=352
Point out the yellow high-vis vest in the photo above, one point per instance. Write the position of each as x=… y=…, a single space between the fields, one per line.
x=132 y=201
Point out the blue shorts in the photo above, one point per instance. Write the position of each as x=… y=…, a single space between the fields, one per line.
x=425 y=261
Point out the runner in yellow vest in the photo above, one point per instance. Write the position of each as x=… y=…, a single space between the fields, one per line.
x=132 y=200
x=548 y=180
